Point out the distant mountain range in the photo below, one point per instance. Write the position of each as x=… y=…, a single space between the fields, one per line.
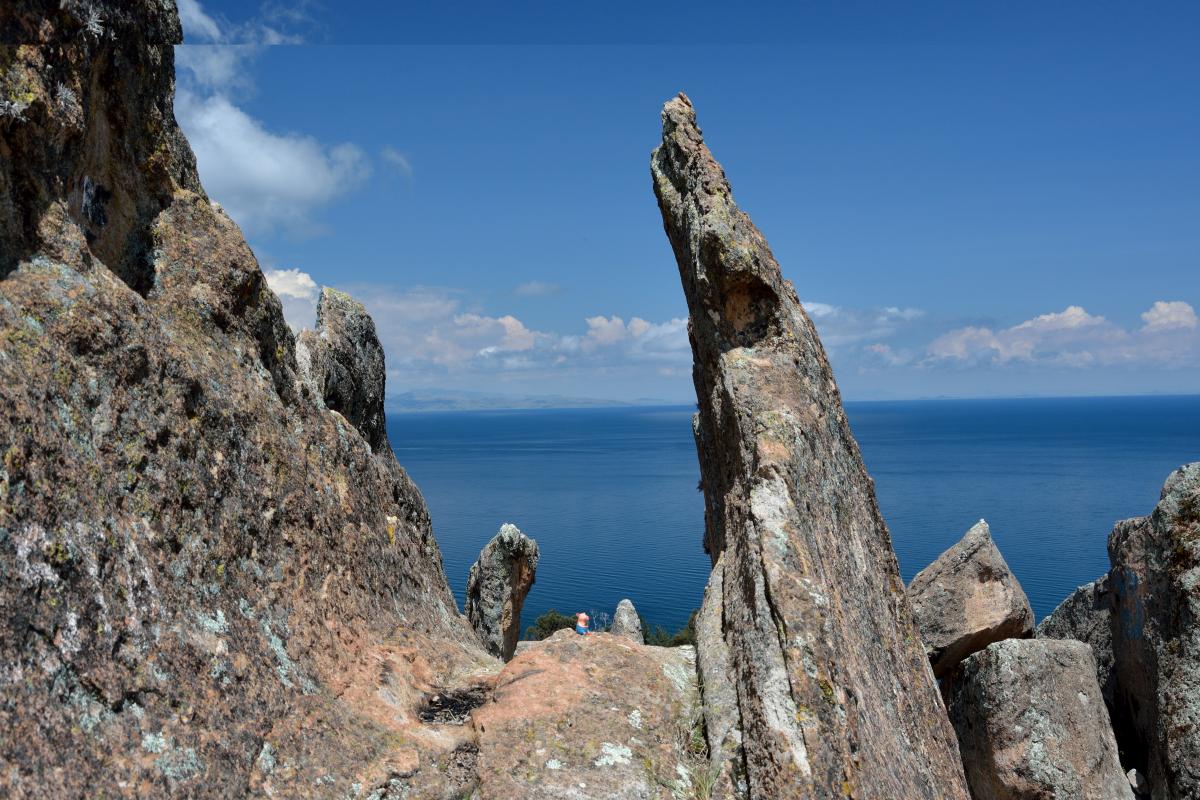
x=455 y=400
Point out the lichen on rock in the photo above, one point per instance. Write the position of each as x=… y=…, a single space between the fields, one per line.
x=199 y=556
x=835 y=695
x=342 y=363
x=1155 y=580
x=497 y=585
x=1031 y=723
x=627 y=623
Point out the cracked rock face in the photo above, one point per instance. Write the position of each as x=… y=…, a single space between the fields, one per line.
x=496 y=588
x=1155 y=580
x=834 y=691
x=1031 y=723
x=198 y=557
x=1086 y=616
x=626 y=623
x=967 y=599
x=721 y=720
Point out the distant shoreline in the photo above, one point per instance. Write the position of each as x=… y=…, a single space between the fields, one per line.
x=664 y=404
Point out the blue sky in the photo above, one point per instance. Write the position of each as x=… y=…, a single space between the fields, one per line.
x=969 y=202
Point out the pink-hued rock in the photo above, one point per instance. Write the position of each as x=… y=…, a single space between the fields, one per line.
x=967 y=599
x=594 y=716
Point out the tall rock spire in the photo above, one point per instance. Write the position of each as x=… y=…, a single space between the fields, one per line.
x=835 y=694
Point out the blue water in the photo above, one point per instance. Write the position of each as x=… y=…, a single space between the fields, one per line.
x=610 y=494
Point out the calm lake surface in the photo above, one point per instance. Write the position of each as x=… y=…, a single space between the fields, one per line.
x=610 y=494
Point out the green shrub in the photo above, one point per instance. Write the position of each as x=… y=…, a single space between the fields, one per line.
x=547 y=624
x=659 y=636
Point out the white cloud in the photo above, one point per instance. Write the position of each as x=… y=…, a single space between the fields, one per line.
x=537 y=289
x=604 y=331
x=1074 y=338
x=399 y=161
x=214 y=67
x=883 y=354
x=429 y=332
x=197 y=24
x=266 y=180
x=840 y=327
x=1165 y=316
x=297 y=291
x=508 y=333
x=291 y=283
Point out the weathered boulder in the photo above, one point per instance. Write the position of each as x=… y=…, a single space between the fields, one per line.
x=593 y=717
x=210 y=583
x=1086 y=616
x=722 y=721
x=627 y=623
x=1155 y=580
x=496 y=588
x=1031 y=724
x=967 y=599
x=342 y=362
x=834 y=690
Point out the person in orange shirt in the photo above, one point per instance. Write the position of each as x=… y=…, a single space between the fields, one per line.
x=581 y=624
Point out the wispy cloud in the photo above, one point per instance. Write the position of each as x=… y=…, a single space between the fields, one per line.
x=840 y=326
x=266 y=180
x=538 y=289
x=397 y=161
x=196 y=23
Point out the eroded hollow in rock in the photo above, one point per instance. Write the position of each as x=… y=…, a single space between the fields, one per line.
x=452 y=707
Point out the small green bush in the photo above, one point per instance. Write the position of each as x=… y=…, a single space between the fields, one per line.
x=545 y=625
x=659 y=636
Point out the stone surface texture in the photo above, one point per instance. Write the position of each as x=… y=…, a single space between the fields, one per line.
x=1086 y=616
x=1031 y=724
x=627 y=623
x=593 y=717
x=722 y=724
x=835 y=694
x=496 y=588
x=342 y=362
x=1155 y=580
x=210 y=585
x=967 y=599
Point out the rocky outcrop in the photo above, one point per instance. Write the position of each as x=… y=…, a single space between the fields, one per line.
x=834 y=691
x=1031 y=724
x=1155 y=581
x=496 y=588
x=593 y=717
x=722 y=723
x=212 y=585
x=1086 y=616
x=342 y=362
x=627 y=623
x=967 y=599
